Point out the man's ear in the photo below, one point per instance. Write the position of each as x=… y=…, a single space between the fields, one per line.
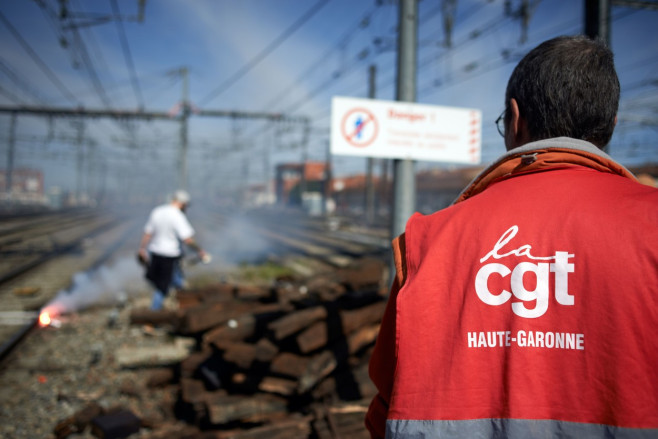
x=516 y=133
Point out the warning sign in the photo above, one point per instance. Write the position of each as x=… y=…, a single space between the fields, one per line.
x=391 y=129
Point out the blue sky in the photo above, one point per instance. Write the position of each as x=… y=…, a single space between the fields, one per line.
x=263 y=56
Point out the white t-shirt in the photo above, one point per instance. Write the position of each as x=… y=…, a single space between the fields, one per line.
x=168 y=227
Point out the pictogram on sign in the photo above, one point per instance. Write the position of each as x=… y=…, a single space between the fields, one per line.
x=359 y=127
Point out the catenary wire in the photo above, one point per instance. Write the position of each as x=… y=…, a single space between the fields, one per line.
x=44 y=68
x=264 y=53
x=126 y=53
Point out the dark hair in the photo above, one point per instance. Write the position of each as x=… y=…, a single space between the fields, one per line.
x=567 y=86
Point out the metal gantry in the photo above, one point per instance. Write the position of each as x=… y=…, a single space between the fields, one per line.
x=186 y=111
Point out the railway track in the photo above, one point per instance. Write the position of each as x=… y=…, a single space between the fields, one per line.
x=39 y=255
x=54 y=370
x=332 y=241
x=25 y=246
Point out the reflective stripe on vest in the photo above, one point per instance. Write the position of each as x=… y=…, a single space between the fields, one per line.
x=511 y=429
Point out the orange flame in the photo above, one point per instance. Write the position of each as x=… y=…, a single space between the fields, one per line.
x=44 y=319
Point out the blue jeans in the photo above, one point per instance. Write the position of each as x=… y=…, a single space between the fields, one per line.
x=177 y=280
x=158 y=300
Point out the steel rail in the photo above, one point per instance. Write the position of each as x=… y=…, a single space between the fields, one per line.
x=57 y=251
x=14 y=340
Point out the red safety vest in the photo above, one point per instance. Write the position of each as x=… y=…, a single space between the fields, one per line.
x=527 y=309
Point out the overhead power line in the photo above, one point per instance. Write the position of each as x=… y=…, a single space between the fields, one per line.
x=89 y=65
x=636 y=4
x=44 y=68
x=264 y=53
x=9 y=95
x=345 y=38
x=18 y=81
x=126 y=54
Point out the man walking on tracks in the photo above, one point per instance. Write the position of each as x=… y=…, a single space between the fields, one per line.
x=161 y=245
x=529 y=308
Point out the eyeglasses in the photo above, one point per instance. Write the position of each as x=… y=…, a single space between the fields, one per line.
x=501 y=126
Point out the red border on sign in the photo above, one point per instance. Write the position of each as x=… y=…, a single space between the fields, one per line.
x=349 y=137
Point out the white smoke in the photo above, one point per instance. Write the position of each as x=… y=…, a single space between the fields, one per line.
x=236 y=241
x=107 y=285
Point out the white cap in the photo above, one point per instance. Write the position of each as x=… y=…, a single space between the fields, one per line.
x=182 y=196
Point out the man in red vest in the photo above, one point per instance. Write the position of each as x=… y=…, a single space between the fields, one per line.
x=529 y=308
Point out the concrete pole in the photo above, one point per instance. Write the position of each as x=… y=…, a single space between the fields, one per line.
x=244 y=186
x=597 y=19
x=304 y=144
x=384 y=191
x=182 y=163
x=370 y=190
x=267 y=172
x=597 y=25
x=9 y=178
x=79 y=160
x=326 y=193
x=90 y=168
x=404 y=182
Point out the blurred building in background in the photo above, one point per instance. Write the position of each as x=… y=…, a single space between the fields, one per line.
x=23 y=186
x=294 y=181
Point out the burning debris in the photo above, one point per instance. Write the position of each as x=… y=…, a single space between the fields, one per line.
x=104 y=286
x=44 y=319
x=50 y=315
x=284 y=360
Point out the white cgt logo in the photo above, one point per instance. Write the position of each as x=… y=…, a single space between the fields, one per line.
x=560 y=266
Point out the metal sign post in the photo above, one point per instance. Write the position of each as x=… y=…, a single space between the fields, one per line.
x=404 y=182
